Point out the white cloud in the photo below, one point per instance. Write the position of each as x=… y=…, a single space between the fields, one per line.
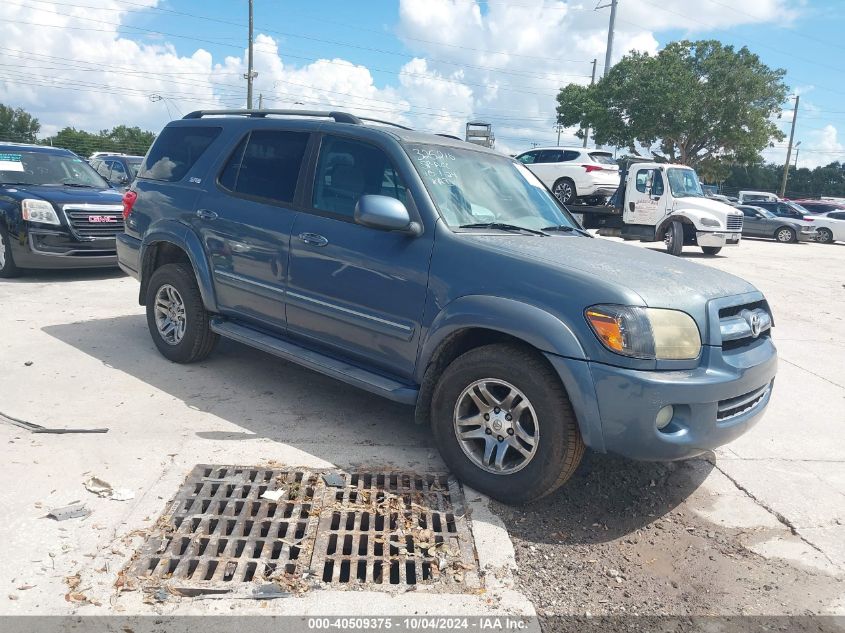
x=502 y=61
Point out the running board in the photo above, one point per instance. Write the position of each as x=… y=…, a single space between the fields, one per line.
x=361 y=378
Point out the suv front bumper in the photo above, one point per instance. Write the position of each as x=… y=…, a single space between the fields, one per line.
x=617 y=407
x=58 y=248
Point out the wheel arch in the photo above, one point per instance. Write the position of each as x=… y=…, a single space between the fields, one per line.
x=474 y=321
x=169 y=245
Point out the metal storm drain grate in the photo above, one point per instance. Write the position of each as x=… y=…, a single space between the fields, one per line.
x=230 y=525
x=395 y=529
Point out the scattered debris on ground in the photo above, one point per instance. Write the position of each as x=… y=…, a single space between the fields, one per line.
x=105 y=490
x=37 y=428
x=72 y=511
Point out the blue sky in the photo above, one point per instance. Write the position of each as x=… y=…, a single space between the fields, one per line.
x=431 y=63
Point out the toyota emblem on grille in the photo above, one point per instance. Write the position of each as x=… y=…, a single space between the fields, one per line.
x=755 y=323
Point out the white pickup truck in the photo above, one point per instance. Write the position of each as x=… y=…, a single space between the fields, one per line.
x=658 y=201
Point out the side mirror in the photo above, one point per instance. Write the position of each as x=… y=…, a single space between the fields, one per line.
x=386 y=214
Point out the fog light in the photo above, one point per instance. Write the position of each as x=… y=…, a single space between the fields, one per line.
x=664 y=416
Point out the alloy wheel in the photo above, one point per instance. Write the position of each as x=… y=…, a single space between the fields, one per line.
x=496 y=426
x=563 y=192
x=170 y=315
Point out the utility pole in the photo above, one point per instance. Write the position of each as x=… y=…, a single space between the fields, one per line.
x=611 y=27
x=789 y=148
x=592 y=82
x=260 y=100
x=250 y=74
x=797 y=146
x=558 y=128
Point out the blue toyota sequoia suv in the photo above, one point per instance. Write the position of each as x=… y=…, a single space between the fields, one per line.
x=441 y=275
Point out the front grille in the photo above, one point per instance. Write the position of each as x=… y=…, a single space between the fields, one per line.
x=735 y=223
x=733 y=407
x=95 y=221
x=735 y=324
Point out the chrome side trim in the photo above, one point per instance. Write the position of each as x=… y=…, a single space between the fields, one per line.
x=233 y=277
x=361 y=315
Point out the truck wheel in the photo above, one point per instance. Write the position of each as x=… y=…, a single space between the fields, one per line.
x=674 y=238
x=711 y=250
x=824 y=236
x=176 y=315
x=564 y=190
x=785 y=235
x=504 y=424
x=8 y=268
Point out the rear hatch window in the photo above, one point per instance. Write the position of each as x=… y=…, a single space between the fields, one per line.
x=175 y=151
x=605 y=158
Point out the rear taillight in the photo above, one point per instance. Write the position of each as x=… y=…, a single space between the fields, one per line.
x=806 y=219
x=590 y=168
x=129 y=199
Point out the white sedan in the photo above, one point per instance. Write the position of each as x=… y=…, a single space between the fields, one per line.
x=830 y=226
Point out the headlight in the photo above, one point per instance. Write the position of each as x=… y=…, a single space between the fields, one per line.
x=710 y=222
x=39 y=211
x=650 y=333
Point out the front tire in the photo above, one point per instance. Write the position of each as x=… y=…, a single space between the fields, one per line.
x=673 y=238
x=504 y=424
x=824 y=236
x=711 y=250
x=564 y=190
x=176 y=316
x=8 y=269
x=786 y=235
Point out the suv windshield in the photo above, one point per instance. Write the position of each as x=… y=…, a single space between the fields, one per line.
x=471 y=187
x=21 y=167
x=684 y=183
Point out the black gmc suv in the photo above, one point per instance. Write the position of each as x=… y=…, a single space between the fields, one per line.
x=55 y=211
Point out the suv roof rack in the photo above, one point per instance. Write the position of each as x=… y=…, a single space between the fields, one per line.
x=339 y=117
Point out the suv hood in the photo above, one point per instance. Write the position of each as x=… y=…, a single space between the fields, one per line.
x=663 y=281
x=58 y=194
x=706 y=204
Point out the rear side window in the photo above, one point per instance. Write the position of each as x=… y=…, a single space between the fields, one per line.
x=569 y=155
x=176 y=150
x=347 y=170
x=837 y=216
x=604 y=159
x=266 y=165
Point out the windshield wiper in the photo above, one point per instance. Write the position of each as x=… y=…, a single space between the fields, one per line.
x=565 y=228
x=502 y=226
x=77 y=184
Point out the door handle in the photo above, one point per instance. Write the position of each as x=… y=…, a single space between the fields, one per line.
x=205 y=214
x=313 y=239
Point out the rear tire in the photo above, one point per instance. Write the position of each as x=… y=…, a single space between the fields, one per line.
x=538 y=417
x=176 y=316
x=564 y=190
x=8 y=269
x=673 y=238
x=824 y=236
x=711 y=250
x=786 y=235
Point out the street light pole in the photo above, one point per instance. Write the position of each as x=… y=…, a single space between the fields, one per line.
x=789 y=148
x=797 y=145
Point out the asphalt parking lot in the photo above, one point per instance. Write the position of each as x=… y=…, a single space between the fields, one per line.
x=757 y=528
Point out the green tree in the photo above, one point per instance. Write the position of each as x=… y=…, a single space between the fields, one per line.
x=120 y=140
x=17 y=125
x=695 y=103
